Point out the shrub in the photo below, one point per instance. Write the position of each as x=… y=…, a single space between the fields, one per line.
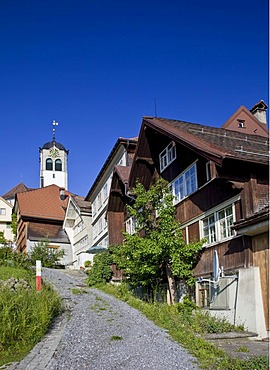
x=14 y=259
x=47 y=256
x=87 y=263
x=101 y=271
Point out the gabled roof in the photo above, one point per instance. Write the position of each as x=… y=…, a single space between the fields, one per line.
x=251 y=124
x=17 y=189
x=119 y=188
x=214 y=143
x=6 y=202
x=82 y=204
x=43 y=203
x=122 y=172
x=128 y=143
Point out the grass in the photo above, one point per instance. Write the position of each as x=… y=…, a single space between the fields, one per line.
x=186 y=327
x=78 y=291
x=7 y=272
x=25 y=315
x=116 y=337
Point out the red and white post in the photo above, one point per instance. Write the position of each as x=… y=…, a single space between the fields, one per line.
x=38 y=276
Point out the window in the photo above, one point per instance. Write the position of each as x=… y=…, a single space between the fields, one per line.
x=58 y=165
x=52 y=249
x=217 y=226
x=241 y=123
x=100 y=224
x=78 y=228
x=209 y=229
x=99 y=200
x=2 y=211
x=204 y=295
x=167 y=156
x=105 y=192
x=49 y=164
x=185 y=184
x=94 y=208
x=130 y=225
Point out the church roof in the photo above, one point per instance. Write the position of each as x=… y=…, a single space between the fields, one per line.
x=51 y=144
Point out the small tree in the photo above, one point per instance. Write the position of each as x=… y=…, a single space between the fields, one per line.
x=49 y=257
x=101 y=271
x=3 y=240
x=14 y=223
x=157 y=250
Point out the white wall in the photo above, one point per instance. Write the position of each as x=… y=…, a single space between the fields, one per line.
x=240 y=300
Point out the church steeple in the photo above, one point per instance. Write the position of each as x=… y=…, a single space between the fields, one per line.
x=53 y=163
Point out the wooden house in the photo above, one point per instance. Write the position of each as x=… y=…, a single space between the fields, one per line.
x=40 y=216
x=219 y=178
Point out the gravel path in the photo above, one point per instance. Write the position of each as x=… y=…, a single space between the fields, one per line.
x=100 y=332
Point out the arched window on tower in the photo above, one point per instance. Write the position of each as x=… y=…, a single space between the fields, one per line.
x=49 y=164
x=58 y=165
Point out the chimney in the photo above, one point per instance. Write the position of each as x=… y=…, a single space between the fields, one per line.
x=62 y=194
x=259 y=111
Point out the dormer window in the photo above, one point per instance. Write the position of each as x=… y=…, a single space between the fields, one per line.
x=241 y=123
x=167 y=156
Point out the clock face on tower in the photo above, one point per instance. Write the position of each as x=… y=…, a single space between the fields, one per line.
x=54 y=153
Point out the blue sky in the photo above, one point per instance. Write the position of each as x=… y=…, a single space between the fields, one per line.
x=97 y=67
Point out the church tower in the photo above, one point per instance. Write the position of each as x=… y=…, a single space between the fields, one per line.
x=53 y=163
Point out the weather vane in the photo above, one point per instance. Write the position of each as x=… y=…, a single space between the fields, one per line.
x=55 y=123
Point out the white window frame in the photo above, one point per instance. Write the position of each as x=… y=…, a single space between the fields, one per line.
x=94 y=210
x=105 y=192
x=216 y=232
x=3 y=211
x=185 y=184
x=167 y=156
x=130 y=225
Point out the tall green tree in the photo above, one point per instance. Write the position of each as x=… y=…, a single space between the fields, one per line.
x=157 y=249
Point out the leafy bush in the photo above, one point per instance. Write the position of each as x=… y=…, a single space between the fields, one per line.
x=87 y=263
x=14 y=259
x=101 y=271
x=47 y=256
x=3 y=240
x=201 y=321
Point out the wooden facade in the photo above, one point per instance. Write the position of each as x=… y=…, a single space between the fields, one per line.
x=231 y=168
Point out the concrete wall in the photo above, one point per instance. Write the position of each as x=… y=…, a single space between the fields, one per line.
x=249 y=307
x=239 y=300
